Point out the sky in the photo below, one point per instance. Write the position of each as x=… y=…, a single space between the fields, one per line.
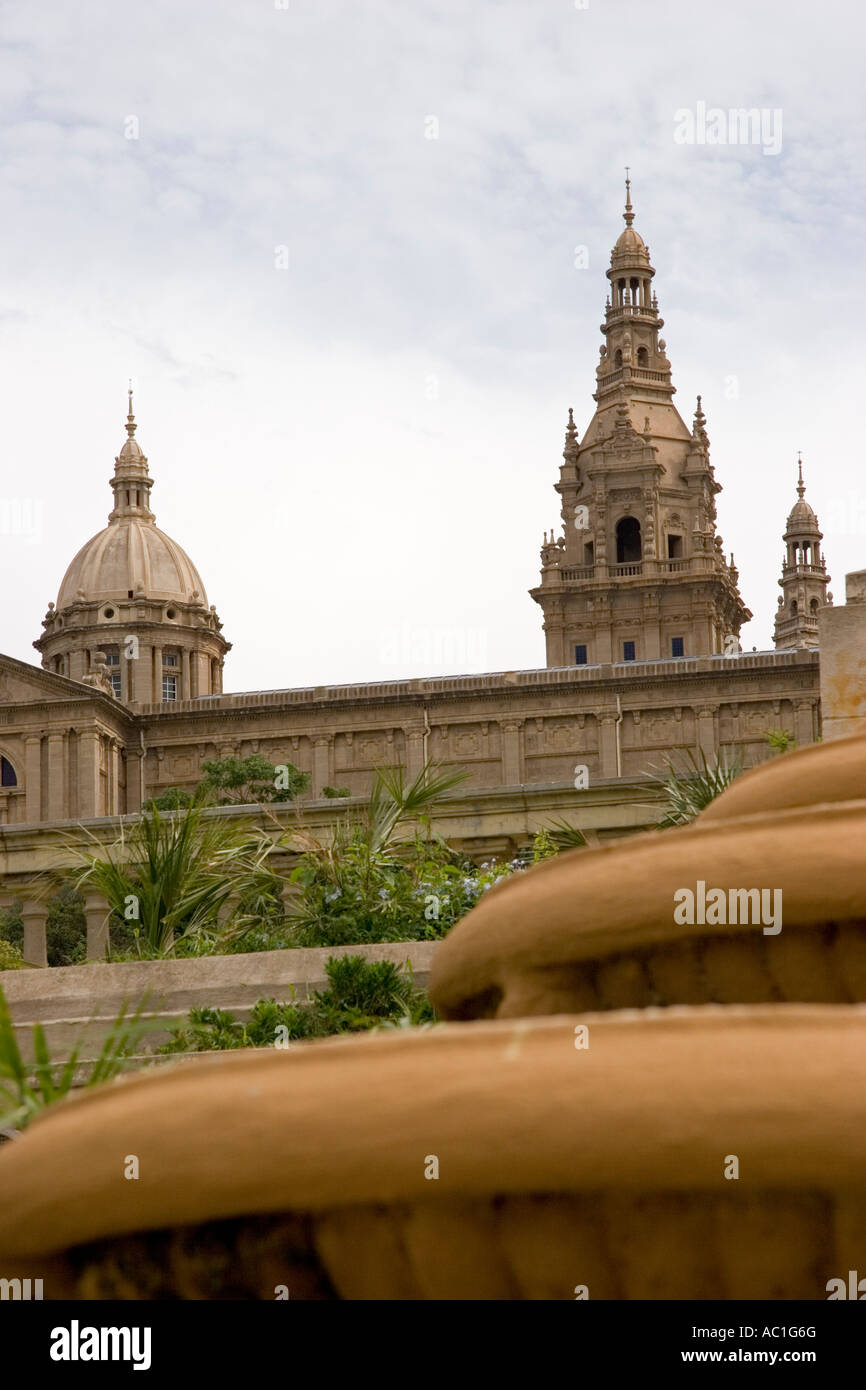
x=335 y=244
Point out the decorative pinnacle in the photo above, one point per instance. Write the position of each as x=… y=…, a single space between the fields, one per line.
x=130 y=419
x=801 y=486
x=628 y=215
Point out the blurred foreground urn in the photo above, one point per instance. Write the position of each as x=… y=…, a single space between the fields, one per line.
x=572 y=1157
x=596 y=928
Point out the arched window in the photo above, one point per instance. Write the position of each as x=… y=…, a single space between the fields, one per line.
x=7 y=774
x=794 y=608
x=813 y=608
x=642 y=357
x=617 y=358
x=628 y=542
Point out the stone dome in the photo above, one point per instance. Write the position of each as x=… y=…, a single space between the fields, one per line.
x=630 y=240
x=133 y=556
x=802 y=514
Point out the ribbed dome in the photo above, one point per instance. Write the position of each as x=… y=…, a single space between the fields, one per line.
x=131 y=554
x=802 y=514
x=630 y=240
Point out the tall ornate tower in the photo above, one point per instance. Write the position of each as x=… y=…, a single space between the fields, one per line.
x=638 y=572
x=804 y=577
x=132 y=601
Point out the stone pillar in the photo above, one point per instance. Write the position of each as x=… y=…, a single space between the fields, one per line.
x=804 y=722
x=185 y=691
x=414 y=753
x=511 y=751
x=607 y=745
x=89 y=779
x=57 y=806
x=113 y=777
x=842 y=646
x=157 y=675
x=706 y=733
x=96 y=913
x=77 y=665
x=33 y=778
x=321 y=765
x=134 y=767
x=35 y=948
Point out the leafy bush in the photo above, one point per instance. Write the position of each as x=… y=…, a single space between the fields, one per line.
x=361 y=995
x=686 y=794
x=780 y=740
x=10 y=956
x=253 y=780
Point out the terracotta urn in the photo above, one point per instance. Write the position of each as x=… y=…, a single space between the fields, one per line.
x=677 y=1153
x=632 y=924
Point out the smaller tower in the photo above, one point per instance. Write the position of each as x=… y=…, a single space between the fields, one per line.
x=804 y=577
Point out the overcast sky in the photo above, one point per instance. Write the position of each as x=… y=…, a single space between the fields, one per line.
x=354 y=346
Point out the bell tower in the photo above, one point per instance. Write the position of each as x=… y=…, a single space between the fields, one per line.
x=804 y=577
x=638 y=572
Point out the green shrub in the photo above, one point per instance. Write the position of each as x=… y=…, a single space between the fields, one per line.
x=10 y=956
x=361 y=995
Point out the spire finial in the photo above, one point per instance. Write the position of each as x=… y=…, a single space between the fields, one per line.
x=628 y=215
x=801 y=486
x=130 y=419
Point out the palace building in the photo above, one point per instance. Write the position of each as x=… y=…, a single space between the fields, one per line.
x=641 y=615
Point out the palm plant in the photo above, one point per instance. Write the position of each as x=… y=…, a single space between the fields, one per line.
x=685 y=794
x=353 y=886
x=26 y=1088
x=170 y=875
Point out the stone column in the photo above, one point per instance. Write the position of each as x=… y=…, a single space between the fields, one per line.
x=607 y=745
x=133 y=780
x=706 y=733
x=35 y=948
x=157 y=675
x=113 y=777
x=185 y=691
x=804 y=728
x=321 y=765
x=57 y=807
x=414 y=753
x=33 y=778
x=96 y=913
x=511 y=751
x=89 y=789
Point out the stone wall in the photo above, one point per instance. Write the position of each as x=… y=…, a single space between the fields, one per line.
x=843 y=661
x=80 y=1001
